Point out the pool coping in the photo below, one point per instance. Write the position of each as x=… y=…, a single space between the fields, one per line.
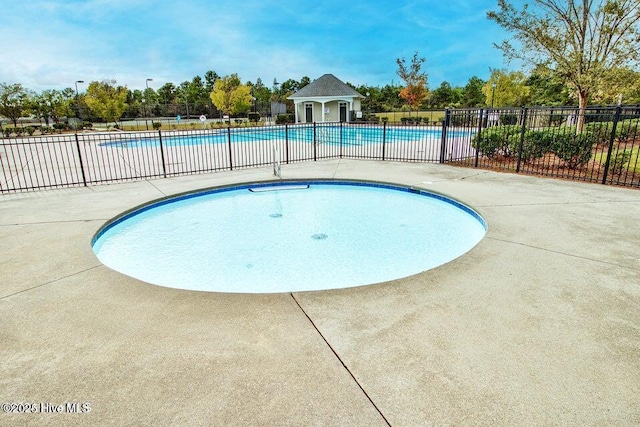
x=129 y=213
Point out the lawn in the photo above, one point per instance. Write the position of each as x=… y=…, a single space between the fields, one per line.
x=395 y=116
x=630 y=161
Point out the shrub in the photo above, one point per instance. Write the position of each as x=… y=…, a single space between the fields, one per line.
x=536 y=143
x=574 y=149
x=87 y=125
x=509 y=119
x=385 y=119
x=253 y=117
x=284 y=118
x=6 y=132
x=465 y=119
x=29 y=130
x=555 y=119
x=60 y=127
x=156 y=125
x=44 y=130
x=499 y=140
x=619 y=161
x=370 y=117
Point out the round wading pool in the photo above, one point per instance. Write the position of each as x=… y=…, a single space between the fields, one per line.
x=288 y=236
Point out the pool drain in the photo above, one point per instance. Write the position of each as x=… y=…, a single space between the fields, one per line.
x=319 y=236
x=275 y=215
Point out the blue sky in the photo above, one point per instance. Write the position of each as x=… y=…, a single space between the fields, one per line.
x=51 y=44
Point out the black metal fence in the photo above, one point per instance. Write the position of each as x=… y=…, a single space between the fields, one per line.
x=526 y=140
x=602 y=146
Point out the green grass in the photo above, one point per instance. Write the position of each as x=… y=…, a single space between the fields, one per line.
x=394 y=117
x=633 y=165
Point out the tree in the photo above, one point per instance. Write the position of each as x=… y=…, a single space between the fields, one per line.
x=547 y=88
x=472 y=95
x=106 y=100
x=620 y=85
x=262 y=95
x=230 y=96
x=52 y=104
x=444 y=96
x=391 y=97
x=416 y=90
x=210 y=78
x=510 y=89
x=14 y=100
x=579 y=40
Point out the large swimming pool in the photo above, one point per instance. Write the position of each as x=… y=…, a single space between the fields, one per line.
x=288 y=236
x=322 y=134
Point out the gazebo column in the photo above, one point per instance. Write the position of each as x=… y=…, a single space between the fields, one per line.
x=297 y=105
x=322 y=111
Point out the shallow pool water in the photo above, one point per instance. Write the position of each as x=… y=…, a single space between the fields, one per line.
x=289 y=236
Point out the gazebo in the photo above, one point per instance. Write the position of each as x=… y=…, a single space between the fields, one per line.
x=326 y=99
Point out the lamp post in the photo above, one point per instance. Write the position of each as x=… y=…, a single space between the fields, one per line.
x=275 y=97
x=492 y=116
x=78 y=105
x=493 y=93
x=146 y=96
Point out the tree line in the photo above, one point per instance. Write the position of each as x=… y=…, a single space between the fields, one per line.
x=580 y=52
x=104 y=100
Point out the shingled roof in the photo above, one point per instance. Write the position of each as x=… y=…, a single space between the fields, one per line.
x=327 y=85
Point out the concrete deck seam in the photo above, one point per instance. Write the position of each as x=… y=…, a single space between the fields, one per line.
x=335 y=172
x=335 y=353
x=51 y=281
x=599 y=261
x=155 y=187
x=475 y=175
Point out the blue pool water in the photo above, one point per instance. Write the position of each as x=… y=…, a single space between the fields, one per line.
x=288 y=236
x=332 y=135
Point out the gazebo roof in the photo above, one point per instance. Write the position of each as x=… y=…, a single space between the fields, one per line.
x=327 y=85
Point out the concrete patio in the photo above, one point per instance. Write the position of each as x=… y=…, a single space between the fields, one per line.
x=539 y=324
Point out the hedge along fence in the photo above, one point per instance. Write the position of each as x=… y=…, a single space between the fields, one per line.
x=547 y=142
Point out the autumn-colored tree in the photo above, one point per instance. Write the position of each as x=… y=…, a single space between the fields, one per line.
x=416 y=89
x=578 y=39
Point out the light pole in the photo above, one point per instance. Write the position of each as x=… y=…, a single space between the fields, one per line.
x=493 y=93
x=492 y=116
x=146 y=96
x=276 y=97
x=78 y=105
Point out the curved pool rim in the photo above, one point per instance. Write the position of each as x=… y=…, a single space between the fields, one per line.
x=288 y=183
x=284 y=183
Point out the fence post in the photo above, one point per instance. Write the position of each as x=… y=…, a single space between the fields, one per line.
x=84 y=178
x=229 y=145
x=523 y=115
x=612 y=138
x=286 y=142
x=384 y=138
x=315 y=156
x=164 y=167
x=341 y=137
x=443 y=140
x=481 y=124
